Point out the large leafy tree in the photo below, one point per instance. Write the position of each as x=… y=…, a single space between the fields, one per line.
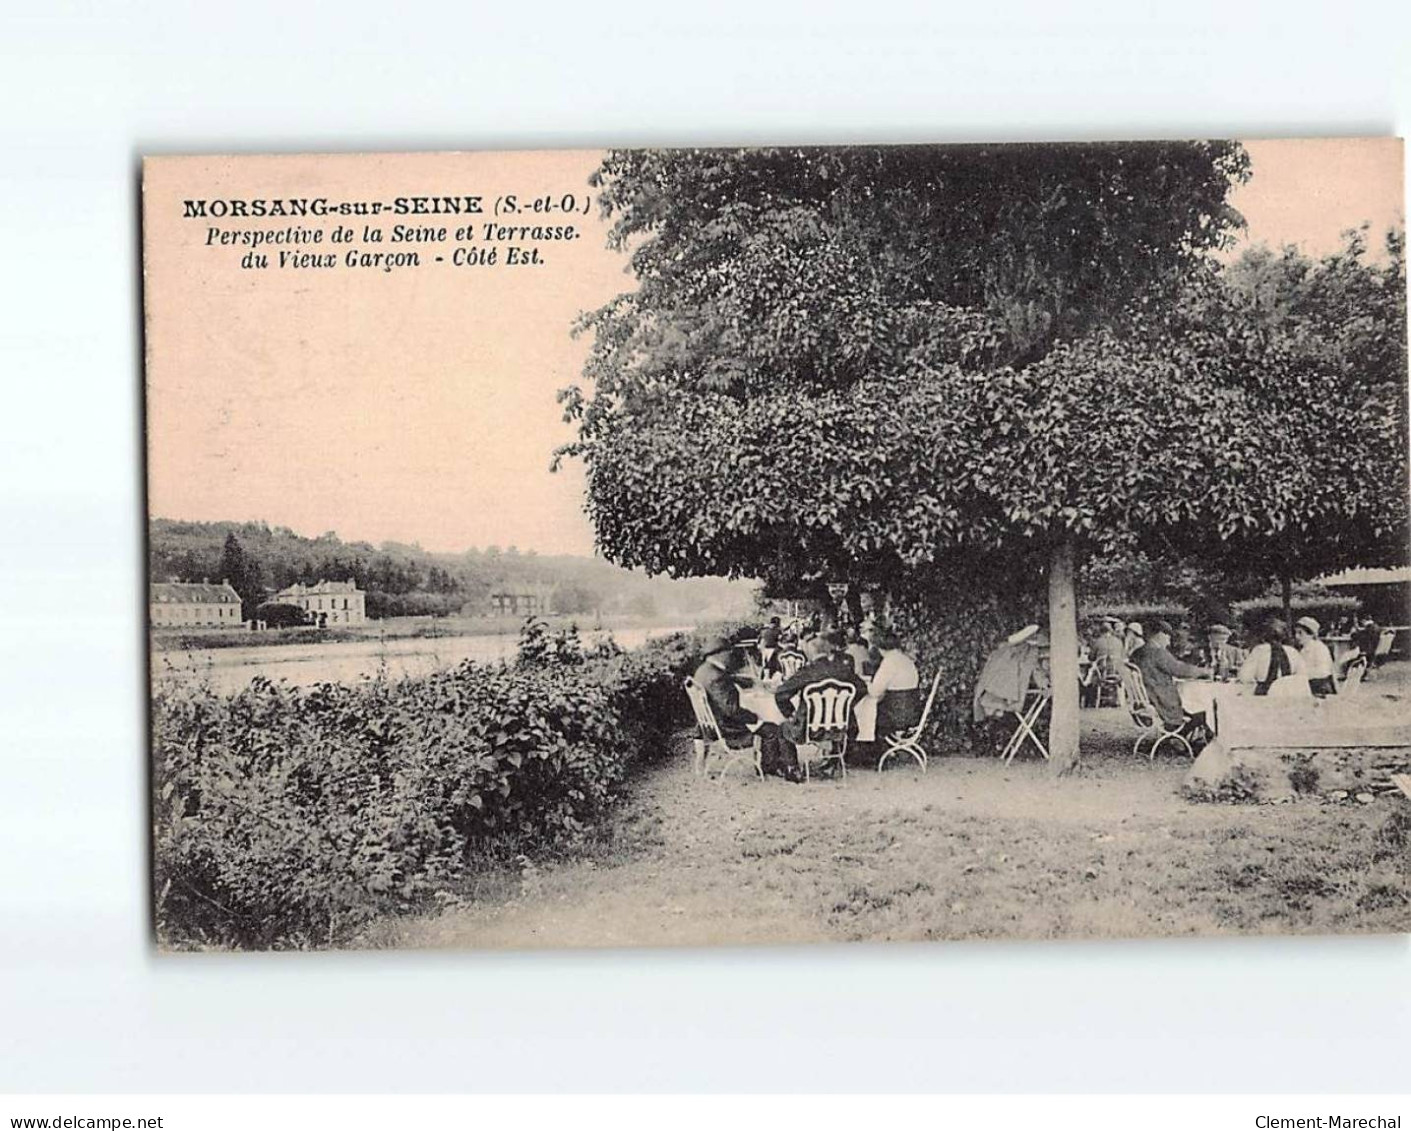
x=1318 y=349
x=881 y=365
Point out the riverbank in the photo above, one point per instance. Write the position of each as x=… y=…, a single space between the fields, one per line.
x=306 y=661
x=391 y=628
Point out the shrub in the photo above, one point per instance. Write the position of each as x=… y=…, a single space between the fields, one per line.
x=290 y=816
x=278 y=615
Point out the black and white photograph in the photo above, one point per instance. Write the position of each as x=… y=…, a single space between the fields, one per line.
x=774 y=545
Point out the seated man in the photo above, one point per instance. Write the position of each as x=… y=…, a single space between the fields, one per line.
x=896 y=687
x=1160 y=670
x=1219 y=655
x=716 y=675
x=833 y=663
x=1108 y=652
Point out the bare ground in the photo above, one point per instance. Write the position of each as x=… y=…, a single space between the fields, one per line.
x=972 y=849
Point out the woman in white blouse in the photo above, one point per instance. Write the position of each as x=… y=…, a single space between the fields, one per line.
x=1272 y=664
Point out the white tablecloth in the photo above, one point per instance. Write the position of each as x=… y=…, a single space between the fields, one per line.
x=1197 y=695
x=760 y=700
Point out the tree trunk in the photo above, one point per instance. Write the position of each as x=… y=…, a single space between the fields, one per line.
x=1063 y=662
x=1287 y=586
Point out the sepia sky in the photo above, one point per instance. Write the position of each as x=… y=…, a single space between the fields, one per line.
x=419 y=405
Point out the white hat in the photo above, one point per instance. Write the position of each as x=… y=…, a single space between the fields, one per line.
x=1135 y=629
x=1023 y=634
x=1309 y=623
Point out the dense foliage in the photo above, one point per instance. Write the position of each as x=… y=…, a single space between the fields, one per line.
x=290 y=816
x=894 y=367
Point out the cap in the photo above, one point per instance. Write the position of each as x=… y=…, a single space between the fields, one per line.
x=1309 y=623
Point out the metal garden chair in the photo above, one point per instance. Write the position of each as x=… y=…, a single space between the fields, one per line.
x=711 y=740
x=828 y=713
x=1146 y=716
x=790 y=661
x=909 y=742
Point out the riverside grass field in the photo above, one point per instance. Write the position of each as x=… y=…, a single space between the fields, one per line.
x=552 y=805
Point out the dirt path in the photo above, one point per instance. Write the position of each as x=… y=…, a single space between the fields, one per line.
x=971 y=849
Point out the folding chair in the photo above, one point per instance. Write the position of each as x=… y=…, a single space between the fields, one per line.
x=1027 y=717
x=828 y=713
x=1146 y=716
x=910 y=742
x=711 y=740
x=790 y=661
x=1354 y=672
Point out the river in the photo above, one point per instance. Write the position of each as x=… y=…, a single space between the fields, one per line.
x=230 y=669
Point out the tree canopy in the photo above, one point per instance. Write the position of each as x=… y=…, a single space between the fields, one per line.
x=859 y=361
x=885 y=365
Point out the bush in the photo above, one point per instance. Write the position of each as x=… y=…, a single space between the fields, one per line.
x=277 y=615
x=291 y=816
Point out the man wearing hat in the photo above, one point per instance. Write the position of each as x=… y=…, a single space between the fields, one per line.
x=716 y=675
x=1160 y=670
x=1219 y=655
x=1317 y=660
x=1108 y=652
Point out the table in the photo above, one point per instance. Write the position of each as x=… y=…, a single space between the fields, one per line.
x=760 y=700
x=1204 y=697
x=1339 y=646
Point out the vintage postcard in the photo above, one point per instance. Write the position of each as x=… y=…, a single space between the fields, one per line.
x=778 y=545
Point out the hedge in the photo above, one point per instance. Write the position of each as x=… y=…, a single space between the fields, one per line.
x=289 y=817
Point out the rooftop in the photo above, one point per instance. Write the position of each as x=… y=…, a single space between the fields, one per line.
x=194 y=592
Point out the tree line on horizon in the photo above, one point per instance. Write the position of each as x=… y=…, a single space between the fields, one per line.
x=403 y=579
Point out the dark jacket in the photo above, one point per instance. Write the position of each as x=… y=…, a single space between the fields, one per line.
x=724 y=696
x=838 y=666
x=1159 y=671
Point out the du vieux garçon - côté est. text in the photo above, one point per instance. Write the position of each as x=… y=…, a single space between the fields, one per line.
x=474 y=231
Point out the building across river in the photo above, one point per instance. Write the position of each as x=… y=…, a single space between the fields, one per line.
x=328 y=602
x=193 y=604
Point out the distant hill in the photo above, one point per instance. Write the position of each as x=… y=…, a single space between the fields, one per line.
x=405 y=580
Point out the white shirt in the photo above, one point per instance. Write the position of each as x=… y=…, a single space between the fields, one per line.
x=1255 y=668
x=896 y=672
x=1317 y=660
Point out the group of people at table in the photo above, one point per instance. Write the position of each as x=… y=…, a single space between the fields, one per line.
x=765 y=701
x=1277 y=665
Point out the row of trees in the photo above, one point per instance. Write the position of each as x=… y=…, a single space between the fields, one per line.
x=402 y=580
x=928 y=370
